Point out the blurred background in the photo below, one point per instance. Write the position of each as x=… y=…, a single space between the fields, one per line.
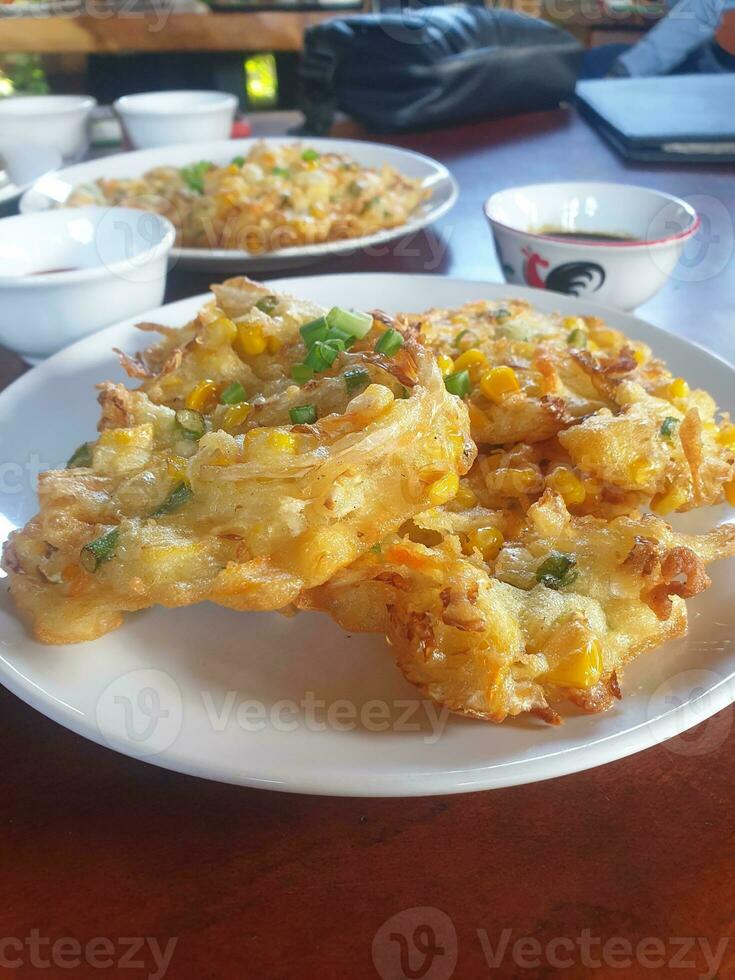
x=109 y=48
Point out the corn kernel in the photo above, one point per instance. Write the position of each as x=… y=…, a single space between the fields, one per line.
x=678 y=388
x=282 y=442
x=582 y=669
x=607 y=338
x=639 y=357
x=499 y=382
x=471 y=360
x=443 y=489
x=456 y=441
x=235 y=415
x=726 y=435
x=250 y=340
x=488 y=541
x=641 y=471
x=574 y=323
x=220 y=332
x=203 y=397
x=668 y=502
x=524 y=480
x=567 y=484
x=177 y=467
x=446 y=364
x=730 y=493
x=465 y=496
x=274 y=345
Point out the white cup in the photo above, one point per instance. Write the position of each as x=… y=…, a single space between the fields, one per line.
x=167 y=118
x=57 y=124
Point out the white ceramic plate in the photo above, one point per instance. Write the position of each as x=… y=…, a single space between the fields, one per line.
x=296 y=704
x=433 y=174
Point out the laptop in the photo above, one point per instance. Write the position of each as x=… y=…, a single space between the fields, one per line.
x=682 y=118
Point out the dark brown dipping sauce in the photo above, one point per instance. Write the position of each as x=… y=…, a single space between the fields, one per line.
x=50 y=272
x=587 y=236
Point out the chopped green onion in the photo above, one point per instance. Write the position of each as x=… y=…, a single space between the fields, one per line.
x=404 y=392
x=303 y=414
x=193 y=175
x=238 y=161
x=368 y=204
x=356 y=377
x=337 y=333
x=353 y=322
x=389 y=342
x=461 y=334
x=97 y=552
x=502 y=314
x=279 y=172
x=354 y=189
x=82 y=456
x=376 y=548
x=314 y=330
x=557 y=570
x=302 y=373
x=310 y=155
x=267 y=304
x=668 y=425
x=233 y=394
x=577 y=338
x=458 y=383
x=180 y=494
x=191 y=423
x=323 y=354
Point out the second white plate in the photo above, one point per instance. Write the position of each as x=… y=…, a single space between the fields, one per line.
x=415 y=165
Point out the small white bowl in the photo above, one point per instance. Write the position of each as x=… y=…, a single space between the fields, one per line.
x=58 y=122
x=165 y=118
x=652 y=229
x=68 y=273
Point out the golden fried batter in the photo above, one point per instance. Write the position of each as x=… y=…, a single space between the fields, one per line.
x=494 y=614
x=278 y=196
x=192 y=492
x=621 y=432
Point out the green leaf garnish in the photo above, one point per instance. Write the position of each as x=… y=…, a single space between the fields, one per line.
x=557 y=571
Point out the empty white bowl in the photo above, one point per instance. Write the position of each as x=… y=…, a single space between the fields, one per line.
x=651 y=229
x=165 y=118
x=67 y=273
x=57 y=122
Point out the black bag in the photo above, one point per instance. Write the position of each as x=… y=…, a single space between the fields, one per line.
x=434 y=66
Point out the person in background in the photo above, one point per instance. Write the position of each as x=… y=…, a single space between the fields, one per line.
x=696 y=36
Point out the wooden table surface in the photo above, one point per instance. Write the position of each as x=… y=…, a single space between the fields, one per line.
x=256 y=30
x=625 y=871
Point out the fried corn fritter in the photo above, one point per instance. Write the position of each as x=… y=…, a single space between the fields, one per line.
x=278 y=196
x=270 y=444
x=620 y=426
x=497 y=613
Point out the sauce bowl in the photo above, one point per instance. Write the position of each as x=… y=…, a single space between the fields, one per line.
x=648 y=230
x=70 y=272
